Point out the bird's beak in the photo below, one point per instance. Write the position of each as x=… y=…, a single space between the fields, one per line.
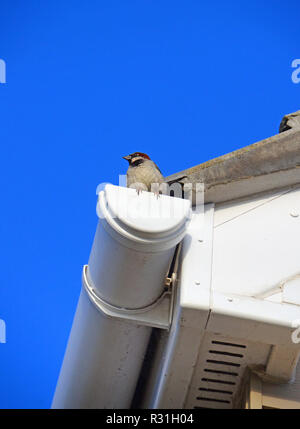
x=128 y=157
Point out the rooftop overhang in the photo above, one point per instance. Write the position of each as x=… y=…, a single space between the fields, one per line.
x=267 y=165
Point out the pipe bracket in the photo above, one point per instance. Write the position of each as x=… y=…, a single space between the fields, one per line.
x=157 y=315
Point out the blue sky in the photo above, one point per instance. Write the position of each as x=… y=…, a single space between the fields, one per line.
x=89 y=82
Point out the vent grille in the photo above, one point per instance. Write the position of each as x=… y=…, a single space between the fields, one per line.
x=218 y=374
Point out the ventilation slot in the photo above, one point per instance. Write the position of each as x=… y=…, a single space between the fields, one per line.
x=212 y=380
x=224 y=401
x=217 y=352
x=223 y=343
x=203 y=389
x=222 y=362
x=220 y=375
x=216 y=371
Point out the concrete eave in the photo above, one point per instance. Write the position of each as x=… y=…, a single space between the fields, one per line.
x=267 y=165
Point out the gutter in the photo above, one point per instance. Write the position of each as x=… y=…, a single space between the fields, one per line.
x=123 y=296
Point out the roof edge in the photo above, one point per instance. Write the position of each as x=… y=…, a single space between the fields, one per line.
x=269 y=164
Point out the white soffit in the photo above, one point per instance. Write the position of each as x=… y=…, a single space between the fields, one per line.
x=256 y=244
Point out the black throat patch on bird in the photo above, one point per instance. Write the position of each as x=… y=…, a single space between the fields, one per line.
x=137 y=162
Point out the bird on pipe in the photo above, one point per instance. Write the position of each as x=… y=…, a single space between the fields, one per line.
x=144 y=175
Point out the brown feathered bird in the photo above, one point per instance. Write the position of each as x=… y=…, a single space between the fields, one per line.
x=143 y=174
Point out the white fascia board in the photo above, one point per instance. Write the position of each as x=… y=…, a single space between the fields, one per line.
x=253 y=319
x=191 y=313
x=196 y=265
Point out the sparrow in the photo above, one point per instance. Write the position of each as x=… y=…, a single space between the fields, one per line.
x=143 y=174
